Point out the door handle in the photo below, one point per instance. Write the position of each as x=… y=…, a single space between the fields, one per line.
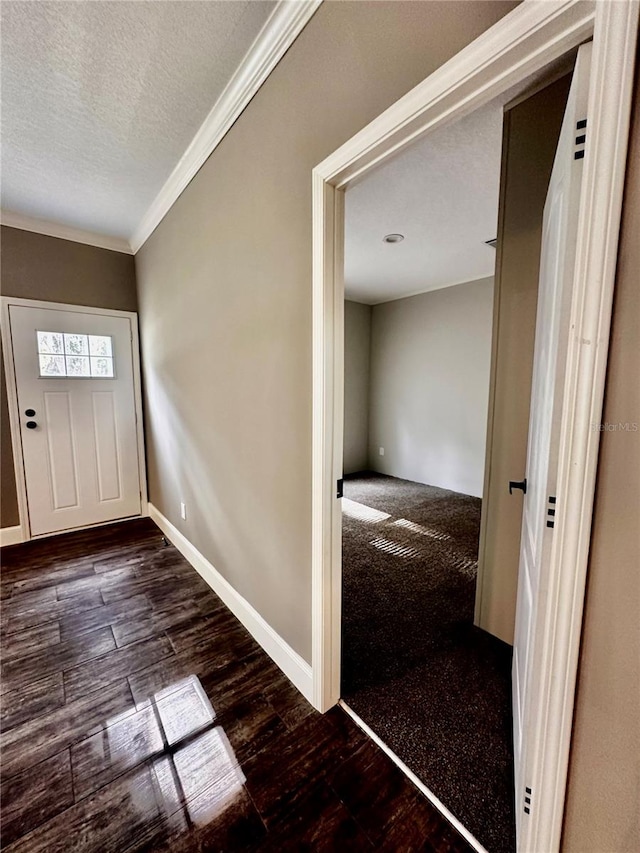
x=31 y=424
x=515 y=484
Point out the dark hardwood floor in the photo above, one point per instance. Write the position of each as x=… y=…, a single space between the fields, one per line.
x=138 y=714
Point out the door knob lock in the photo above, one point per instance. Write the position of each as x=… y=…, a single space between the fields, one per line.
x=31 y=424
x=29 y=412
x=515 y=484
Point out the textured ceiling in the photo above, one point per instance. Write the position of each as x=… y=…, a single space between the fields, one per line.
x=442 y=194
x=101 y=99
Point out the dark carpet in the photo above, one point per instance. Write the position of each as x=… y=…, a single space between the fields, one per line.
x=436 y=689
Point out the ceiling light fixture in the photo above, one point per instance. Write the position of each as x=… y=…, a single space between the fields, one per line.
x=393 y=238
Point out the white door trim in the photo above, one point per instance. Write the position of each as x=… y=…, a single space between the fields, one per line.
x=12 y=397
x=525 y=41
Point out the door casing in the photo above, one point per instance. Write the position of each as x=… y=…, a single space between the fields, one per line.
x=14 y=411
x=523 y=43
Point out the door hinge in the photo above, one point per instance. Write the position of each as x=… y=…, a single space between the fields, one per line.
x=581 y=139
x=551 y=511
x=340 y=488
x=527 y=800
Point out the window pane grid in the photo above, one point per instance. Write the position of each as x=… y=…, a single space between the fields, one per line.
x=75 y=355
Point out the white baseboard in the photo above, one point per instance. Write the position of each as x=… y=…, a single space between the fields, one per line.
x=11 y=535
x=297 y=670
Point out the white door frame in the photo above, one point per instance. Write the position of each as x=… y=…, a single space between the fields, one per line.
x=526 y=40
x=14 y=409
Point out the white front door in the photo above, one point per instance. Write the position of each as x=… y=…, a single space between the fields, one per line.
x=77 y=414
x=557 y=265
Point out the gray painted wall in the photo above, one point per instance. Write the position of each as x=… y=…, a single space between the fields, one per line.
x=35 y=266
x=357 y=364
x=225 y=294
x=430 y=362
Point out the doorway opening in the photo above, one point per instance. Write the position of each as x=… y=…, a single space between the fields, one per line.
x=417 y=668
x=527 y=42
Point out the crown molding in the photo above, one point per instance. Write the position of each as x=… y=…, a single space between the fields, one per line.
x=274 y=39
x=64 y=232
x=280 y=30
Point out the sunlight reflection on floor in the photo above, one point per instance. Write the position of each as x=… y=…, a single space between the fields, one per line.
x=394 y=548
x=369 y=515
x=423 y=531
x=363 y=513
x=194 y=764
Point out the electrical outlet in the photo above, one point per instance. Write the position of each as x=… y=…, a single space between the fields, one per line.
x=183 y=510
x=381 y=451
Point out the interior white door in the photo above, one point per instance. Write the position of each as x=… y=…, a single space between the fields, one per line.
x=77 y=412
x=557 y=265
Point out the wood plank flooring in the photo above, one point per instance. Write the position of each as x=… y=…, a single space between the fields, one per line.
x=137 y=714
